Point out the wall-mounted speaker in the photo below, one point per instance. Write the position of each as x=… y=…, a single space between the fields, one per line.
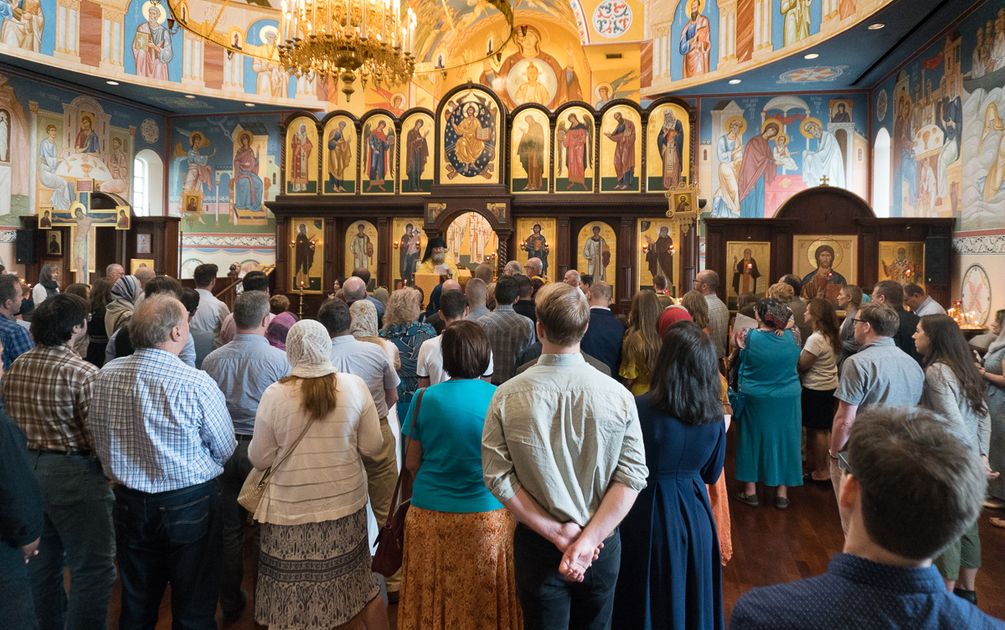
x=937 y=260
x=24 y=247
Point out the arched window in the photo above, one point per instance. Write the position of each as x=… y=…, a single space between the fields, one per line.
x=881 y=174
x=148 y=184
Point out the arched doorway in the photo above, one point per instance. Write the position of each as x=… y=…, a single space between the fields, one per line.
x=148 y=184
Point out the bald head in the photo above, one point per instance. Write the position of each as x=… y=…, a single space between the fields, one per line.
x=512 y=268
x=354 y=289
x=706 y=282
x=451 y=285
x=114 y=271
x=533 y=267
x=144 y=275
x=572 y=278
x=600 y=294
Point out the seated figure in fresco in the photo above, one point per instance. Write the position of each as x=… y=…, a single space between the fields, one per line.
x=823 y=281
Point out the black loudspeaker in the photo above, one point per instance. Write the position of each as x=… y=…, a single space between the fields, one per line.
x=24 y=247
x=937 y=260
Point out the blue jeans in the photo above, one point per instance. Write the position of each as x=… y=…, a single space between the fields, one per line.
x=171 y=537
x=78 y=535
x=235 y=471
x=550 y=602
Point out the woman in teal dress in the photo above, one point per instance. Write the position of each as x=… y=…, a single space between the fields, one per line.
x=770 y=426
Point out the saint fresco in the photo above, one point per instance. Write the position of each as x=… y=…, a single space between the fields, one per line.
x=621 y=150
x=574 y=151
x=668 y=147
x=529 y=144
x=302 y=156
x=536 y=239
x=416 y=173
x=596 y=252
x=306 y=234
x=378 y=148
x=361 y=247
x=406 y=249
x=470 y=136
x=339 y=163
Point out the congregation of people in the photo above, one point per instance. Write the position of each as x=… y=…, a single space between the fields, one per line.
x=564 y=465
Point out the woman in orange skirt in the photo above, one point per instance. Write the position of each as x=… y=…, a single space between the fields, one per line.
x=458 y=557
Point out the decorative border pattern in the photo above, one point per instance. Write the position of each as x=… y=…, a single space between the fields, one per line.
x=8 y=236
x=989 y=244
x=234 y=241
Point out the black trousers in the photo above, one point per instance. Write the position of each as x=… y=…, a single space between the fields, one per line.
x=549 y=601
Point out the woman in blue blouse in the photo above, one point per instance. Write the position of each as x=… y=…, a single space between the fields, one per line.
x=407 y=334
x=458 y=559
x=770 y=426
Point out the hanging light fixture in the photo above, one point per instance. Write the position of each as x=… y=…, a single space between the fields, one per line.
x=348 y=39
x=373 y=41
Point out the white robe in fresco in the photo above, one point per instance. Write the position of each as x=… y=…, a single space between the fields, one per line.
x=827 y=161
x=48 y=163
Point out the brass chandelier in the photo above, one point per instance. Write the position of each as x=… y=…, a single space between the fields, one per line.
x=346 y=39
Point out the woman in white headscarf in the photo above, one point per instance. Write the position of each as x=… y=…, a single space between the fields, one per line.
x=314 y=561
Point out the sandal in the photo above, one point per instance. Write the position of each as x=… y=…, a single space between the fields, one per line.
x=749 y=499
x=781 y=503
x=993 y=504
x=997 y=522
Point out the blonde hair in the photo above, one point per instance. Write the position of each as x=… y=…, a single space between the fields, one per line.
x=563 y=312
x=402 y=307
x=782 y=291
x=317 y=395
x=643 y=336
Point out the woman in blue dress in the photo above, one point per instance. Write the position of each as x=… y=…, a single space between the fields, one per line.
x=770 y=427
x=670 y=573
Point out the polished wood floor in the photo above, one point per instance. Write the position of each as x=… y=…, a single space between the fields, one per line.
x=770 y=546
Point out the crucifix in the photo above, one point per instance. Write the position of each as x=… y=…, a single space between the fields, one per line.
x=824 y=179
x=83 y=223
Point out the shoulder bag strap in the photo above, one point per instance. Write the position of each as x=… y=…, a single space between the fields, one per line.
x=408 y=445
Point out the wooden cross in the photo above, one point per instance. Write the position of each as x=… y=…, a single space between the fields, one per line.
x=83 y=223
x=824 y=180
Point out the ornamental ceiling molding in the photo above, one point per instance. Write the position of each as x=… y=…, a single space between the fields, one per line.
x=980 y=244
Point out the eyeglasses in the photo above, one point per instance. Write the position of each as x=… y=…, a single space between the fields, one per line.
x=856 y=320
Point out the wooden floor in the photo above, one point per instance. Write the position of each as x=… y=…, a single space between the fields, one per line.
x=770 y=546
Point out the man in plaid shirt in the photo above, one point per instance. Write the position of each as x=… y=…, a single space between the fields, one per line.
x=163 y=433
x=509 y=332
x=48 y=394
x=13 y=336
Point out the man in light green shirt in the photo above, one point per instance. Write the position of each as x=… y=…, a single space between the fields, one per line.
x=562 y=449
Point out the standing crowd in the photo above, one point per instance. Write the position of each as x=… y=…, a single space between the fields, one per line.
x=563 y=465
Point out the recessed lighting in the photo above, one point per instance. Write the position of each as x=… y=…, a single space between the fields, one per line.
x=190 y=96
x=876 y=26
x=110 y=82
x=249 y=104
x=735 y=81
x=811 y=56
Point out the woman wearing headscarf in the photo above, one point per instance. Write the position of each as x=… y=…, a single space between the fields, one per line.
x=314 y=562
x=364 y=328
x=124 y=294
x=769 y=431
x=279 y=328
x=48 y=284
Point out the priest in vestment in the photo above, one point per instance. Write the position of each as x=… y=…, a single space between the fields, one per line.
x=437 y=260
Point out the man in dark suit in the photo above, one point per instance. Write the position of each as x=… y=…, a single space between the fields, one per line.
x=892 y=294
x=603 y=337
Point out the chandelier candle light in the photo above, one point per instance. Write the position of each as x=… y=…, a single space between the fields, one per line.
x=344 y=39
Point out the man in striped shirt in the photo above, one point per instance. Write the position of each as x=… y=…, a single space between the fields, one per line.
x=163 y=433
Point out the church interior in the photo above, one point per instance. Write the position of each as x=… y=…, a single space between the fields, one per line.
x=624 y=139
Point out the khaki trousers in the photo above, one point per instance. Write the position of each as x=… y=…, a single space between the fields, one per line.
x=381 y=477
